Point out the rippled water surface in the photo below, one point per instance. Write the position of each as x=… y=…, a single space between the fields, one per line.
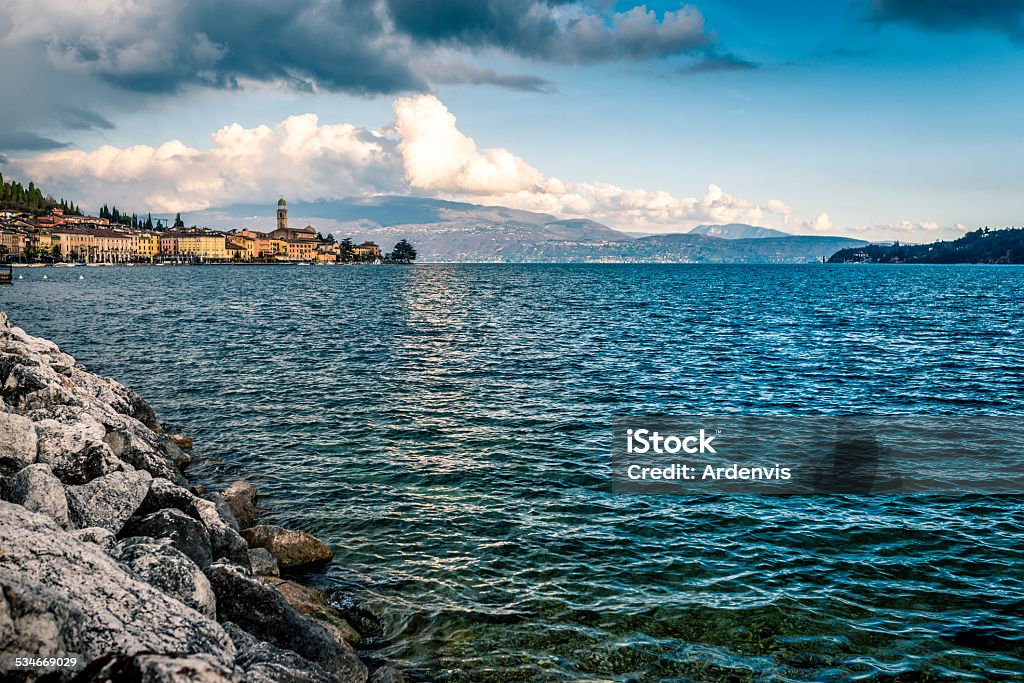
x=447 y=428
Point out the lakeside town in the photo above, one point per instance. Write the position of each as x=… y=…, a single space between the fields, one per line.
x=40 y=230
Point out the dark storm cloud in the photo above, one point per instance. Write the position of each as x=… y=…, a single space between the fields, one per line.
x=25 y=141
x=950 y=16
x=161 y=47
x=356 y=46
x=564 y=31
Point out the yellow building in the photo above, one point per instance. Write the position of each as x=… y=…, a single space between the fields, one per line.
x=149 y=245
x=204 y=245
x=246 y=247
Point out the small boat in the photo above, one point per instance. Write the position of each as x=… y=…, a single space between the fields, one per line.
x=81 y=277
x=45 y=277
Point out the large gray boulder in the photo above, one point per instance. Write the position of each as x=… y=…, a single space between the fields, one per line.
x=291 y=549
x=104 y=538
x=142 y=448
x=18 y=442
x=108 y=501
x=72 y=444
x=158 y=668
x=187 y=534
x=263 y=563
x=240 y=498
x=36 y=489
x=266 y=663
x=164 y=493
x=263 y=612
x=162 y=565
x=225 y=541
x=60 y=595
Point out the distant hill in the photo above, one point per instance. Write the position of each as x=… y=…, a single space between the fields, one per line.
x=458 y=231
x=737 y=231
x=980 y=246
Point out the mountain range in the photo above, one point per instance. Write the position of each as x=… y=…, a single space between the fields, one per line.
x=447 y=231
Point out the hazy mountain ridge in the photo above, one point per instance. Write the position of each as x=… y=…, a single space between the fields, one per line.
x=736 y=231
x=449 y=231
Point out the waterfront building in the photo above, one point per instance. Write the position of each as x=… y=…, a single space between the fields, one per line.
x=241 y=247
x=368 y=251
x=149 y=245
x=71 y=243
x=112 y=246
x=12 y=243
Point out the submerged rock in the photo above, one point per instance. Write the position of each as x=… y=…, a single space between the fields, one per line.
x=311 y=602
x=187 y=534
x=63 y=596
x=162 y=565
x=263 y=612
x=181 y=441
x=37 y=489
x=240 y=498
x=291 y=549
x=108 y=501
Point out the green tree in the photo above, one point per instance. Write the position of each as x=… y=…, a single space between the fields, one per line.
x=348 y=249
x=403 y=252
x=178 y=223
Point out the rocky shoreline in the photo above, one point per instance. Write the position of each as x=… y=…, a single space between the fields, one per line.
x=108 y=557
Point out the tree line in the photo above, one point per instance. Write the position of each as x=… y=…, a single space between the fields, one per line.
x=981 y=246
x=16 y=197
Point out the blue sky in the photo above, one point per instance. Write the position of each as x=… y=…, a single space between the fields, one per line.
x=890 y=118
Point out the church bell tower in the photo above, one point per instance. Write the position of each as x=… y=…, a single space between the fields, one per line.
x=282 y=214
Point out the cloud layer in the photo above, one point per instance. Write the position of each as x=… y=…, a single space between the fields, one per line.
x=422 y=152
x=356 y=46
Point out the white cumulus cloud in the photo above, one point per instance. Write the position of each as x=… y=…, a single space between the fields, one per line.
x=422 y=152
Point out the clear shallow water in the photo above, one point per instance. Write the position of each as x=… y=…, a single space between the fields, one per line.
x=447 y=428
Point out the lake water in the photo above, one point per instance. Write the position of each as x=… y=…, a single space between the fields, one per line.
x=447 y=429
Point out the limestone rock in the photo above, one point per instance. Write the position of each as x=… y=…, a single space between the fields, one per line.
x=162 y=565
x=73 y=446
x=186 y=533
x=108 y=501
x=263 y=563
x=36 y=489
x=291 y=549
x=61 y=595
x=224 y=540
x=263 y=612
x=181 y=441
x=18 y=441
x=95 y=535
x=240 y=498
x=155 y=668
x=140 y=447
x=164 y=493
